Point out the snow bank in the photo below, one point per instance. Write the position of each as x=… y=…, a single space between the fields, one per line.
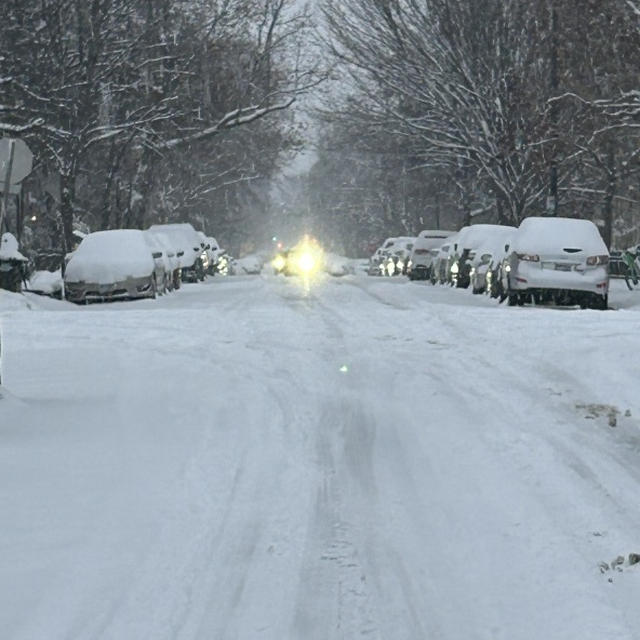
x=105 y=257
x=10 y=302
x=48 y=282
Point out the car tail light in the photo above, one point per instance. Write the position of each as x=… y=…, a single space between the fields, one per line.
x=528 y=257
x=592 y=261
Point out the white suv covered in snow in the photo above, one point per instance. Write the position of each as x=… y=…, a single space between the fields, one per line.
x=561 y=260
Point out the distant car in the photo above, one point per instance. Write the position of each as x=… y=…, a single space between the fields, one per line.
x=226 y=265
x=250 y=264
x=188 y=246
x=424 y=253
x=468 y=241
x=171 y=258
x=336 y=265
x=486 y=259
x=441 y=266
x=164 y=264
x=376 y=266
x=560 y=260
x=214 y=252
x=111 y=265
x=395 y=255
x=497 y=266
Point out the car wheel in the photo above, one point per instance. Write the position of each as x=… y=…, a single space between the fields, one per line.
x=512 y=299
x=601 y=303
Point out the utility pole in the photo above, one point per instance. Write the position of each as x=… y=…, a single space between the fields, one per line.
x=7 y=185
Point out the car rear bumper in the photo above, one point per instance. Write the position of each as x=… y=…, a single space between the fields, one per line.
x=533 y=276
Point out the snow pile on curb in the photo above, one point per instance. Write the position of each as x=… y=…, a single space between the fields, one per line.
x=47 y=282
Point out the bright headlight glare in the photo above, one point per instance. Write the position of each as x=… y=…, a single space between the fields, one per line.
x=278 y=263
x=455 y=268
x=306 y=262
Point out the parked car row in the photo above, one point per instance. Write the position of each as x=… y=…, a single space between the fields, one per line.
x=545 y=260
x=392 y=257
x=130 y=263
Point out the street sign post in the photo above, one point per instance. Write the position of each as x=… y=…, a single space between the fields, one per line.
x=16 y=162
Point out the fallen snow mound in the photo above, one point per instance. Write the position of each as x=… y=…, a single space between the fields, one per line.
x=47 y=282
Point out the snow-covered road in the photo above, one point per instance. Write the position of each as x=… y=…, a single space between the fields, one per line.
x=249 y=458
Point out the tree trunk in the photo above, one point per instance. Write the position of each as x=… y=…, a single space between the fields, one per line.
x=610 y=191
x=67 y=199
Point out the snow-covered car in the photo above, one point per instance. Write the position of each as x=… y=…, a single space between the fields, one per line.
x=336 y=265
x=485 y=261
x=171 y=258
x=375 y=265
x=164 y=263
x=226 y=265
x=187 y=245
x=250 y=265
x=441 y=267
x=469 y=240
x=214 y=252
x=111 y=265
x=560 y=260
x=425 y=250
x=395 y=255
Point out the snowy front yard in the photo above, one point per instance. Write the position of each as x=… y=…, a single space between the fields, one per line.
x=371 y=457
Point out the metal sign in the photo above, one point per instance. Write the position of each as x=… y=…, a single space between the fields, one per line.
x=21 y=165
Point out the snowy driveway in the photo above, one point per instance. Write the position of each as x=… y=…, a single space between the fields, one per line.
x=369 y=458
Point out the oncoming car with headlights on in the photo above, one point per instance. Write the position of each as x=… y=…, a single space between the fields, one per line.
x=304 y=259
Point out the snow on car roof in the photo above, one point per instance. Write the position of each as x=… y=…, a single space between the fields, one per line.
x=435 y=233
x=183 y=237
x=476 y=235
x=431 y=239
x=495 y=242
x=104 y=257
x=553 y=235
